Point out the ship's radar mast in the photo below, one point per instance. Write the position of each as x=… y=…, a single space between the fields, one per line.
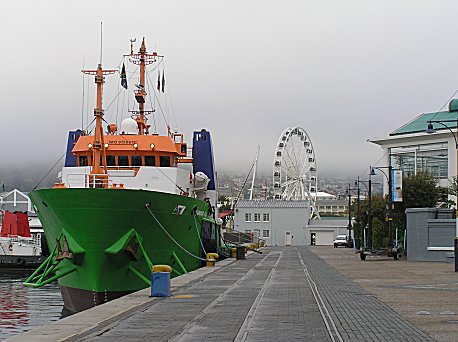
x=99 y=175
x=142 y=58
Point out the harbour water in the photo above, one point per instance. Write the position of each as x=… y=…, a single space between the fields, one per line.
x=23 y=308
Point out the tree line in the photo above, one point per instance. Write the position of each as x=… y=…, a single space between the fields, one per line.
x=418 y=191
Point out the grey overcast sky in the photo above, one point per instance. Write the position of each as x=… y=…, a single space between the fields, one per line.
x=345 y=71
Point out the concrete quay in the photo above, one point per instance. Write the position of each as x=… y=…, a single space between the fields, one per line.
x=284 y=294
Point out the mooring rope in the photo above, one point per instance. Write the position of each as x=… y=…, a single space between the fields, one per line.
x=197 y=230
x=147 y=206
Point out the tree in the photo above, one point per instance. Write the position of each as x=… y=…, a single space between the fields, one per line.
x=419 y=191
x=379 y=234
x=378 y=209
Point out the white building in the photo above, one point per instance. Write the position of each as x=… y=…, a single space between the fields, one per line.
x=280 y=223
x=323 y=232
x=410 y=149
x=284 y=223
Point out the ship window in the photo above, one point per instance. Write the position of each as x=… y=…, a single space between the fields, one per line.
x=183 y=148
x=164 y=161
x=83 y=160
x=150 y=161
x=111 y=161
x=123 y=161
x=136 y=160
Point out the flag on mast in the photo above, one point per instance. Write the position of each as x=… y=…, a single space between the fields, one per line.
x=123 y=77
x=158 y=80
x=163 y=80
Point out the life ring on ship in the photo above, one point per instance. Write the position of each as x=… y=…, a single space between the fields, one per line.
x=10 y=247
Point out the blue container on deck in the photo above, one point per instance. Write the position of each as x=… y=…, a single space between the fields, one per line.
x=160 y=284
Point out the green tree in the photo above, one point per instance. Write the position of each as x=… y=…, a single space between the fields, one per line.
x=379 y=233
x=418 y=191
x=378 y=209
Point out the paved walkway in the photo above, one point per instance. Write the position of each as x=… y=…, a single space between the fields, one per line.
x=424 y=293
x=285 y=294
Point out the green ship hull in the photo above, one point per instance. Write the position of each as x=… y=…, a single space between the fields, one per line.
x=104 y=241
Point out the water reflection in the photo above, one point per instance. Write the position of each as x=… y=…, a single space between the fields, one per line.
x=23 y=308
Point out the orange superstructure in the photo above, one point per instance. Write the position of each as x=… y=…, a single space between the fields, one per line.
x=133 y=150
x=134 y=147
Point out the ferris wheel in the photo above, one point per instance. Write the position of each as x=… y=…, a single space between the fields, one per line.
x=294 y=171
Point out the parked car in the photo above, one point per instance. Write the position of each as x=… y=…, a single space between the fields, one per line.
x=341 y=240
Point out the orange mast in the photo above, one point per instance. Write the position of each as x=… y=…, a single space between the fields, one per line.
x=143 y=59
x=99 y=174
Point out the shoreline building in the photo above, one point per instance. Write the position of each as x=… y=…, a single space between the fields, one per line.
x=411 y=149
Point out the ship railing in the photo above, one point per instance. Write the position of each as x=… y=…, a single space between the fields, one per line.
x=96 y=180
x=87 y=180
x=20 y=239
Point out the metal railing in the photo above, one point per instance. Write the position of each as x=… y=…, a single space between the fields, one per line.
x=235 y=237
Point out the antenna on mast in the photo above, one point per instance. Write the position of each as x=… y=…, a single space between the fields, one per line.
x=82 y=102
x=101 y=41
x=132 y=41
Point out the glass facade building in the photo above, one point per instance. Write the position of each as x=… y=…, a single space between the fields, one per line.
x=432 y=158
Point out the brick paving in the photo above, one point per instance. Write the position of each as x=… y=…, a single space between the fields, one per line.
x=408 y=287
x=285 y=294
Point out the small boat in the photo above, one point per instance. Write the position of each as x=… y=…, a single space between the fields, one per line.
x=19 y=249
x=127 y=199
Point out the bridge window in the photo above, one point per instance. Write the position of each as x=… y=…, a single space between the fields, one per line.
x=136 y=160
x=150 y=161
x=123 y=161
x=83 y=160
x=164 y=161
x=111 y=161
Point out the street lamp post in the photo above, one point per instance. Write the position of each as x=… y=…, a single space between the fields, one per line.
x=390 y=202
x=349 y=240
x=358 y=193
x=362 y=228
x=369 y=212
x=430 y=130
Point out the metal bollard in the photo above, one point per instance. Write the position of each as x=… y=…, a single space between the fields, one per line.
x=160 y=281
x=211 y=259
x=241 y=252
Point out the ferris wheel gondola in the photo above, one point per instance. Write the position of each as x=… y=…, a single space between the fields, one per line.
x=294 y=169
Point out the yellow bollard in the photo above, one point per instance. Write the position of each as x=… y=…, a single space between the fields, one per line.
x=162 y=268
x=246 y=249
x=251 y=246
x=257 y=245
x=211 y=259
x=233 y=252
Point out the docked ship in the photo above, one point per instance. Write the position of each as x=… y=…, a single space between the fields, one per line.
x=127 y=199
